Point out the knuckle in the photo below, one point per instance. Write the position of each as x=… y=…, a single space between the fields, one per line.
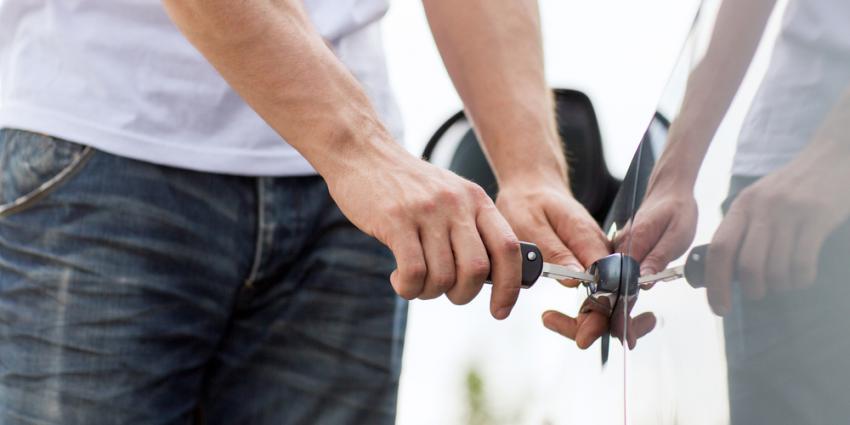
x=459 y=299
x=770 y=201
x=749 y=272
x=746 y=197
x=396 y=212
x=562 y=257
x=449 y=197
x=408 y=291
x=477 y=268
x=442 y=281
x=415 y=272
x=428 y=205
x=718 y=249
x=641 y=239
x=477 y=192
x=510 y=295
x=509 y=245
x=639 y=230
x=656 y=260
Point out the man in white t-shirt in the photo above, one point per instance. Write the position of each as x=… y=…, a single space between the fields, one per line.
x=165 y=255
x=785 y=238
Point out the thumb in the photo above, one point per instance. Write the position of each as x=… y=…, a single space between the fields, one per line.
x=644 y=234
x=580 y=235
x=555 y=252
x=673 y=242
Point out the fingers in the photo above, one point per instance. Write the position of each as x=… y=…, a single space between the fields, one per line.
x=472 y=266
x=505 y=263
x=674 y=241
x=779 y=258
x=584 y=331
x=439 y=260
x=560 y=323
x=804 y=261
x=579 y=233
x=752 y=260
x=641 y=325
x=408 y=279
x=593 y=327
x=721 y=260
x=641 y=235
x=555 y=252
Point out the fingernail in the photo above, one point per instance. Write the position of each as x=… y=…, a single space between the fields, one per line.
x=646 y=271
x=503 y=313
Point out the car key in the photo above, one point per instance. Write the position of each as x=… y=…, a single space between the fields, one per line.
x=693 y=271
x=533 y=267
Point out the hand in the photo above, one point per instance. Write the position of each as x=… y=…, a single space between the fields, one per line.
x=664 y=225
x=773 y=233
x=594 y=319
x=544 y=212
x=445 y=232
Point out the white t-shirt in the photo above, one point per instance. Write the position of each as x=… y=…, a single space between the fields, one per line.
x=808 y=73
x=119 y=76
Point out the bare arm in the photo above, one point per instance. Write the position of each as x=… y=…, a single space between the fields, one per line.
x=445 y=233
x=713 y=84
x=773 y=234
x=269 y=52
x=665 y=225
x=493 y=52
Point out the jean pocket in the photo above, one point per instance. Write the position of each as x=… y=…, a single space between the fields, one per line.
x=32 y=165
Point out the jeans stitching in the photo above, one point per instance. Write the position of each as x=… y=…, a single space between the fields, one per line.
x=261 y=224
x=50 y=185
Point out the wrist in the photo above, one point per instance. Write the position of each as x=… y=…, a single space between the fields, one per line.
x=543 y=162
x=673 y=174
x=534 y=182
x=344 y=150
x=682 y=157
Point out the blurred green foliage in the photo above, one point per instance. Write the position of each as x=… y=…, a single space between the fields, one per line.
x=479 y=411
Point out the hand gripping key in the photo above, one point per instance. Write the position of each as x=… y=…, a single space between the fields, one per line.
x=534 y=267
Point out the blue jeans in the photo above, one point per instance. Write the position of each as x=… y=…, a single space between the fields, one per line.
x=132 y=293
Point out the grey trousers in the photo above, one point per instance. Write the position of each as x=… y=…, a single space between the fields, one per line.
x=789 y=354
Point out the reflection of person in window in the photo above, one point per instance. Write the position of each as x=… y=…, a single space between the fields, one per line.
x=786 y=224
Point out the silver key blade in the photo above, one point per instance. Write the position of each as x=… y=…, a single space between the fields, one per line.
x=557 y=272
x=672 y=273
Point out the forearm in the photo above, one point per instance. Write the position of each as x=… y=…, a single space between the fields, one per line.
x=831 y=142
x=493 y=52
x=271 y=55
x=713 y=84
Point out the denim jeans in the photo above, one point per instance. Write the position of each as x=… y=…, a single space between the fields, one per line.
x=788 y=354
x=132 y=293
